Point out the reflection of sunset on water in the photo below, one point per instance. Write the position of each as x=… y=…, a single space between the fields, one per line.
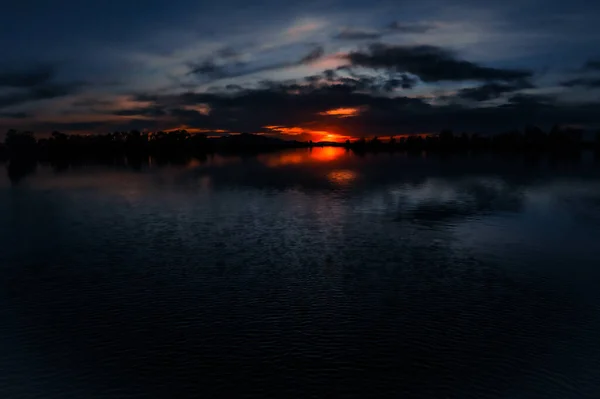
x=326 y=154
x=312 y=155
x=281 y=159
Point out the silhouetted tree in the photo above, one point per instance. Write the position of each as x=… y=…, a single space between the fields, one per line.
x=135 y=147
x=375 y=142
x=20 y=144
x=3 y=152
x=446 y=136
x=18 y=168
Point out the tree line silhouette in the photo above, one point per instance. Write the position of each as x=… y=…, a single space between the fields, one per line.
x=531 y=139
x=22 y=146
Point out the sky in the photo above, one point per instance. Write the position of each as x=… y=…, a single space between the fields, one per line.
x=321 y=70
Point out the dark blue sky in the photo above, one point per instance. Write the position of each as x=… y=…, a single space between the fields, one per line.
x=279 y=67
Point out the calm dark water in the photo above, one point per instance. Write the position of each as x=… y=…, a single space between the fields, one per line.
x=303 y=274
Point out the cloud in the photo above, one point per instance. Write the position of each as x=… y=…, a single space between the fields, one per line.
x=304 y=27
x=356 y=34
x=591 y=83
x=410 y=27
x=429 y=63
x=213 y=71
x=312 y=56
x=491 y=91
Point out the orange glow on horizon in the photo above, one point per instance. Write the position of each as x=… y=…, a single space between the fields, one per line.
x=203 y=109
x=314 y=135
x=196 y=130
x=294 y=131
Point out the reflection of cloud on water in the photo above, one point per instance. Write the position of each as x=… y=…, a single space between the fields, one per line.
x=248 y=267
x=438 y=200
x=557 y=219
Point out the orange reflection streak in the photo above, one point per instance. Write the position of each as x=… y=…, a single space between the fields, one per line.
x=303 y=156
x=273 y=160
x=326 y=154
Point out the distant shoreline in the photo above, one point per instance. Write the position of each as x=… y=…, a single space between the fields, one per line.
x=23 y=146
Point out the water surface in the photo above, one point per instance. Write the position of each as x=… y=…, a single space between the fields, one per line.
x=303 y=274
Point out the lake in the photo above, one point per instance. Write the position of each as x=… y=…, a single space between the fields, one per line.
x=305 y=273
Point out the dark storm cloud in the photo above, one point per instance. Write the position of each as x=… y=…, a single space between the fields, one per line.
x=228 y=53
x=91 y=103
x=356 y=34
x=303 y=105
x=329 y=74
x=232 y=87
x=24 y=79
x=403 y=81
x=207 y=68
x=101 y=126
x=33 y=85
x=583 y=82
x=395 y=27
x=379 y=83
x=531 y=100
x=491 y=91
x=409 y=27
x=144 y=48
x=430 y=63
x=14 y=115
x=592 y=65
x=312 y=56
x=213 y=71
x=147 y=111
x=44 y=92
x=251 y=110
